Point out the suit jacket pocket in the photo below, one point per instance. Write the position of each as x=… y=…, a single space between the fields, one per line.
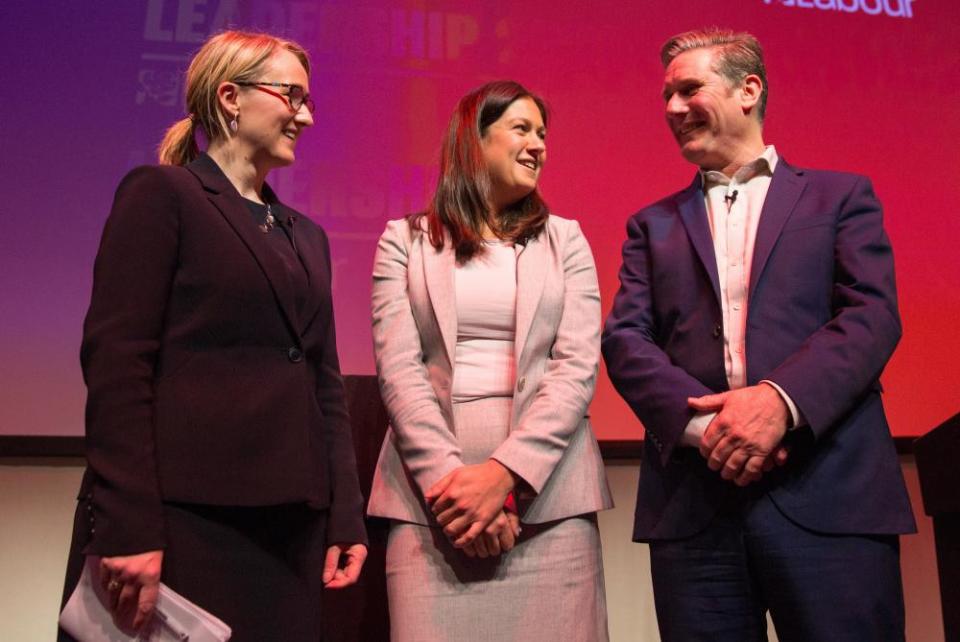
x=806 y=222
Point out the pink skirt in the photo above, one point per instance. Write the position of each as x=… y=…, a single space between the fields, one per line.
x=549 y=587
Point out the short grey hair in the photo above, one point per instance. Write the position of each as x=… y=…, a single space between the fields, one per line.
x=738 y=55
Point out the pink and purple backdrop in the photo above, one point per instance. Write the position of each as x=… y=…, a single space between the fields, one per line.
x=868 y=86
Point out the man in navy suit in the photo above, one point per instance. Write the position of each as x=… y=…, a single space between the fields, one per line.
x=756 y=311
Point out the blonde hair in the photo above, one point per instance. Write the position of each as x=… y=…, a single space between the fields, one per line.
x=738 y=55
x=227 y=56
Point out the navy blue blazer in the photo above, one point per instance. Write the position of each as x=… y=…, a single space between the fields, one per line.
x=205 y=384
x=822 y=323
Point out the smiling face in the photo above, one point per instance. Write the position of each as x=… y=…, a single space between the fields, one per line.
x=711 y=119
x=514 y=152
x=268 y=129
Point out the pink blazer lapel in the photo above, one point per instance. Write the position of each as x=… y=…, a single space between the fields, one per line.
x=438 y=273
x=532 y=262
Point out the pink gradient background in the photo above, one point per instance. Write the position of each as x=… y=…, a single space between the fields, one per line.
x=93 y=85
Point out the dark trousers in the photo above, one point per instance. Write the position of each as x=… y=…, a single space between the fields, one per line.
x=718 y=585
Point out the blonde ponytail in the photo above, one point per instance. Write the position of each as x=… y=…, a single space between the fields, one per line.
x=227 y=56
x=179 y=146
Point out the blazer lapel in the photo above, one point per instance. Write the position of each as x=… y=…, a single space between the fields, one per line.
x=225 y=198
x=693 y=213
x=312 y=258
x=785 y=188
x=532 y=262
x=438 y=272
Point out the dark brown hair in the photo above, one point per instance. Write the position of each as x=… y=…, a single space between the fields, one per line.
x=461 y=203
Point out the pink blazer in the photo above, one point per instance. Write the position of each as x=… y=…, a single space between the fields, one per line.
x=551 y=444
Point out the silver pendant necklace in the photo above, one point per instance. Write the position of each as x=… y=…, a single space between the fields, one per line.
x=269 y=222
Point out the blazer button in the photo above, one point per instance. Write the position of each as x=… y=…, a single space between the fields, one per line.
x=521 y=384
x=295 y=354
x=717 y=331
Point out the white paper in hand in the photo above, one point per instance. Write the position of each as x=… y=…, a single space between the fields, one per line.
x=87 y=618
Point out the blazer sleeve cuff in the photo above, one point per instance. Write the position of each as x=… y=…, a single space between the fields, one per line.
x=697 y=425
x=796 y=417
x=530 y=469
x=346 y=526
x=121 y=523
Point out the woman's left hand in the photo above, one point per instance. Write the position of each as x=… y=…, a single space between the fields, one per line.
x=335 y=576
x=467 y=499
x=499 y=537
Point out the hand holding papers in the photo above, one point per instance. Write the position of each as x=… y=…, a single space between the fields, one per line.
x=87 y=617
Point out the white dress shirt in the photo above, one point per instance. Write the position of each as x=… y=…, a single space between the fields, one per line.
x=733 y=209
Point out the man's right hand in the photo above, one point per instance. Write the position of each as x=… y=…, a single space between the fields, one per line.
x=743 y=440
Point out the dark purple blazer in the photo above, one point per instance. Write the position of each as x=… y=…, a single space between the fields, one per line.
x=204 y=383
x=822 y=323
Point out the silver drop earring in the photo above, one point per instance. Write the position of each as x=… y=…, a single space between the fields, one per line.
x=233 y=123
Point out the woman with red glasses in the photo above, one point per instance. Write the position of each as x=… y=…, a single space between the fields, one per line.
x=220 y=459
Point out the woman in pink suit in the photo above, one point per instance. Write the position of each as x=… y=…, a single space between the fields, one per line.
x=486 y=322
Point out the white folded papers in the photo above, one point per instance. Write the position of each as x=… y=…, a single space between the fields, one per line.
x=176 y=619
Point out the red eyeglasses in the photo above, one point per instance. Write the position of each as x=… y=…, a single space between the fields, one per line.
x=295 y=98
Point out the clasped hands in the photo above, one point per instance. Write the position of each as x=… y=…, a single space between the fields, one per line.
x=469 y=504
x=744 y=440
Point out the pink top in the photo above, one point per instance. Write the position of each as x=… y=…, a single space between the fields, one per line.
x=486 y=296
